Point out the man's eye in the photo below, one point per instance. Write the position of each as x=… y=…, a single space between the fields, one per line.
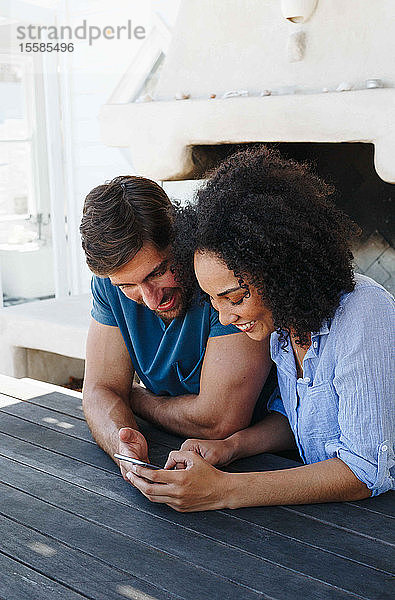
x=160 y=273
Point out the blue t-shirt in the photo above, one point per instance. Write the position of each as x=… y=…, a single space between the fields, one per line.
x=168 y=359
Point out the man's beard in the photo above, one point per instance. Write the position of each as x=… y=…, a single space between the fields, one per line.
x=178 y=311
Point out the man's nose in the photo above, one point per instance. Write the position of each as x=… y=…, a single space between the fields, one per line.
x=151 y=295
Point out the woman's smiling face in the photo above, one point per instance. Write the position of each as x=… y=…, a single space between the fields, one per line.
x=235 y=305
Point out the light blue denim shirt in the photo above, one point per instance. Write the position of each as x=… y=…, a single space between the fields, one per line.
x=345 y=404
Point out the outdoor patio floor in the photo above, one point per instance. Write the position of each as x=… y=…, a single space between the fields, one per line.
x=72 y=528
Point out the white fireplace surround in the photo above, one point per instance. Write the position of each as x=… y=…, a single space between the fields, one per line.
x=219 y=46
x=161 y=134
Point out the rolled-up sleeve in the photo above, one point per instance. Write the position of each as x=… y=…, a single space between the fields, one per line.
x=364 y=383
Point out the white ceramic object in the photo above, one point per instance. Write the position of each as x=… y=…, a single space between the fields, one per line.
x=235 y=94
x=182 y=96
x=374 y=83
x=344 y=86
x=298 y=11
x=145 y=98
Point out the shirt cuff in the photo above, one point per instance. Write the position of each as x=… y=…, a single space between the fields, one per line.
x=376 y=475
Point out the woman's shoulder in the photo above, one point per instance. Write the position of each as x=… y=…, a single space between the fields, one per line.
x=366 y=290
x=369 y=305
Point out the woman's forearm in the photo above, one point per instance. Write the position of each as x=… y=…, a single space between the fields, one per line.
x=327 y=481
x=272 y=434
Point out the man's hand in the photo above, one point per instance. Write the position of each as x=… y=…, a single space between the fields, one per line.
x=131 y=443
x=216 y=452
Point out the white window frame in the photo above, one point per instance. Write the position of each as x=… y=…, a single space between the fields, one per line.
x=29 y=138
x=54 y=135
x=156 y=43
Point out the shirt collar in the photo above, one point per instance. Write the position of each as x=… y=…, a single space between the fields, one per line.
x=324 y=329
x=275 y=344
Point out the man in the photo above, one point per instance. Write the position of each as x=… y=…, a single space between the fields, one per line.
x=201 y=379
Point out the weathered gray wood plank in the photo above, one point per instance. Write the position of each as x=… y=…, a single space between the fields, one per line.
x=147 y=563
x=61 y=403
x=71 y=423
x=261 y=537
x=71 y=406
x=266 y=550
x=61 y=443
x=350 y=518
x=50 y=419
x=338 y=514
x=384 y=504
x=18 y=581
x=64 y=565
x=294 y=527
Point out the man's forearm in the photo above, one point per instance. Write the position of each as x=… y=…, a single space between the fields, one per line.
x=106 y=413
x=179 y=414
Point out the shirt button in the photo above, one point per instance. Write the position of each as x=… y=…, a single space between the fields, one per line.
x=384 y=448
x=307 y=379
x=315 y=344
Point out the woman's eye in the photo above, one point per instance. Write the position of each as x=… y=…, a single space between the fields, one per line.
x=238 y=301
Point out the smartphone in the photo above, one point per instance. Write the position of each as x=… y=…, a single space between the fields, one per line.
x=135 y=461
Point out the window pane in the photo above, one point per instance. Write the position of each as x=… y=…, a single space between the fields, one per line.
x=13 y=121
x=151 y=81
x=15 y=173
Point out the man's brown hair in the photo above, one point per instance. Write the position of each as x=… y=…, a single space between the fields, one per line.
x=119 y=217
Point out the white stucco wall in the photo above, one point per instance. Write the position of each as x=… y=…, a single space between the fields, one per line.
x=242 y=44
x=220 y=46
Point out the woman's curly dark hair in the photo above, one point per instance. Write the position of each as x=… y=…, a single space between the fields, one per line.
x=270 y=221
x=183 y=249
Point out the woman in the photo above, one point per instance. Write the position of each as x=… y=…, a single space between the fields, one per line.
x=274 y=256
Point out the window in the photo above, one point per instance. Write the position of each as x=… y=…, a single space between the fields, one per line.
x=17 y=199
x=143 y=74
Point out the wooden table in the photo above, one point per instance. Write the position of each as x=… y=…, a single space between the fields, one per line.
x=72 y=528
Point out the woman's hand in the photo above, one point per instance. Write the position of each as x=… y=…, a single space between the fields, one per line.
x=197 y=486
x=217 y=452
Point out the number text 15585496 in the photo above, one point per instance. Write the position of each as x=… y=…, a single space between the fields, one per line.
x=46 y=47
